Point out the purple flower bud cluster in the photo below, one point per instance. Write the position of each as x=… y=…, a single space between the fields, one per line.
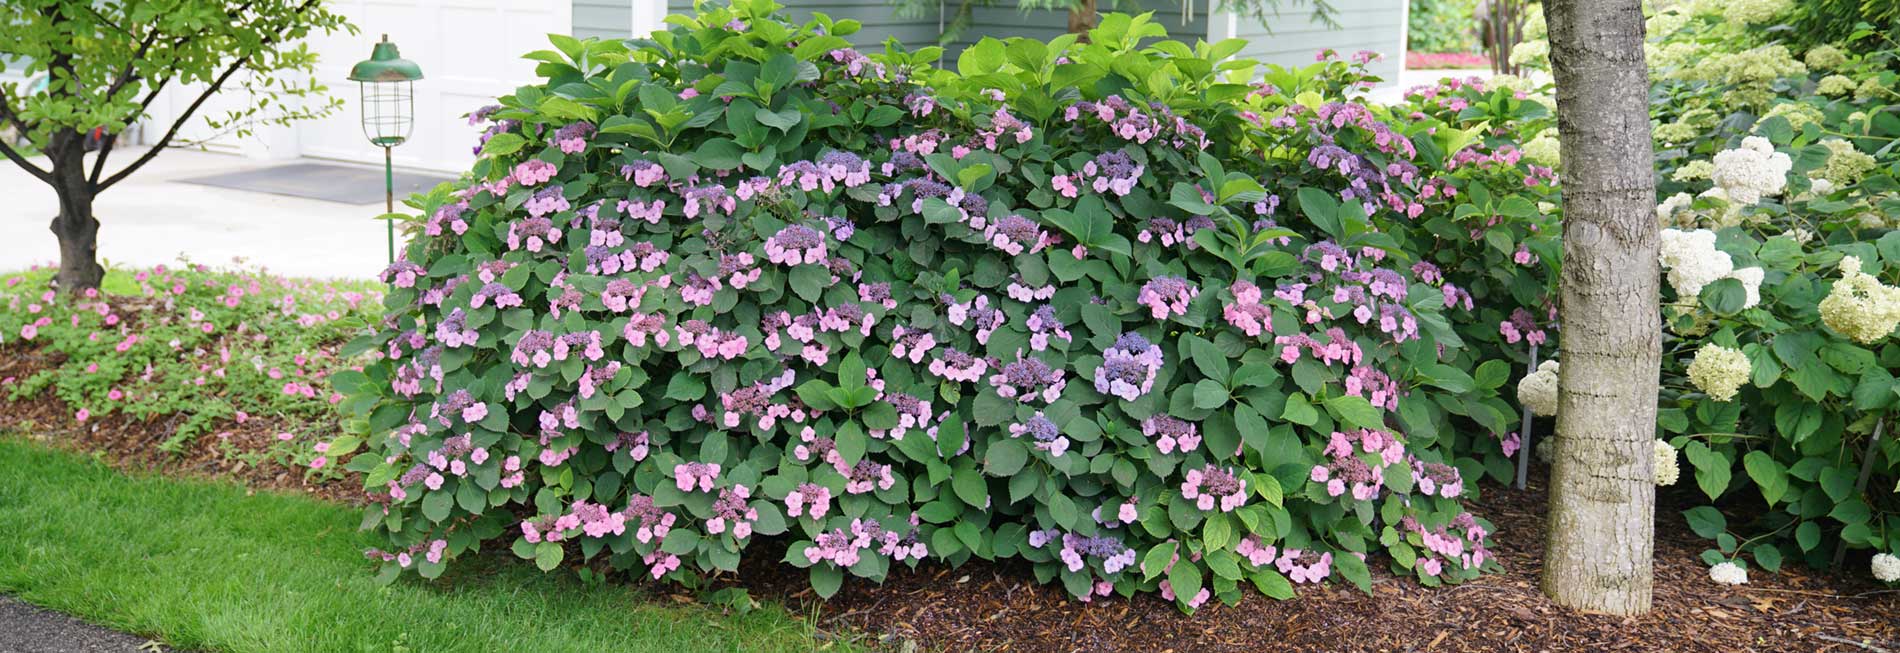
x=796 y=244
x=1305 y=566
x=1437 y=479
x=808 y=499
x=1166 y=296
x=731 y=511
x=1075 y=550
x=865 y=476
x=1029 y=379
x=533 y=172
x=547 y=201
x=978 y=314
x=1129 y=367
x=572 y=137
x=1015 y=234
x=691 y=476
x=644 y=174
x=708 y=199
x=453 y=331
x=1347 y=471
x=502 y=296
x=1171 y=434
x=1047 y=436
x=955 y=365
x=1210 y=486
x=1043 y=324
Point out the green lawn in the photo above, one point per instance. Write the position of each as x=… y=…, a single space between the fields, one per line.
x=207 y=566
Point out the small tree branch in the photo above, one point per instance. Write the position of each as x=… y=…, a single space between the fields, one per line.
x=37 y=173
x=216 y=84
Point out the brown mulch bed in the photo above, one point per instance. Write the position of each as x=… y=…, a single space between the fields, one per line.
x=133 y=444
x=999 y=607
x=994 y=607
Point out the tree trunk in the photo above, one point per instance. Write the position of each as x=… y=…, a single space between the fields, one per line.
x=1602 y=496
x=1082 y=17
x=77 y=229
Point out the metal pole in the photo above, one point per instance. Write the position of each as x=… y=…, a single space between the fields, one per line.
x=1524 y=431
x=389 y=200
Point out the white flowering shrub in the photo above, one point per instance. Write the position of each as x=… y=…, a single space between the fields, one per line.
x=1777 y=192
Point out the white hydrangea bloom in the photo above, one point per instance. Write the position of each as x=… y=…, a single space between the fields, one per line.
x=1535 y=54
x=1719 y=371
x=1752 y=171
x=1692 y=260
x=1754 y=11
x=1820 y=186
x=1859 y=306
x=1751 y=284
x=1538 y=390
x=1729 y=573
x=1886 y=568
x=1544 y=150
x=1667 y=471
x=1669 y=206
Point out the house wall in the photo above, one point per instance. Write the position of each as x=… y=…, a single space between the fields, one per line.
x=1292 y=38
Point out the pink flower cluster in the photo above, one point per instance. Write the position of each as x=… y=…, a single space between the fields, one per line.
x=692 y=476
x=1211 y=486
x=1348 y=471
x=730 y=510
x=1246 y=311
x=1171 y=434
x=810 y=500
x=1166 y=296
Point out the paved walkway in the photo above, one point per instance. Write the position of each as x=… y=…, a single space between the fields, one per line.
x=28 y=629
x=151 y=218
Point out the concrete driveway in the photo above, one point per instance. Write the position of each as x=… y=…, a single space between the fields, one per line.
x=152 y=218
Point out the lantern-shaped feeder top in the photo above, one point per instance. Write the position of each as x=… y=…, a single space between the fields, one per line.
x=385 y=64
x=385 y=80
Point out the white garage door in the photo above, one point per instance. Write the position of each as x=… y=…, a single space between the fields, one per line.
x=469 y=50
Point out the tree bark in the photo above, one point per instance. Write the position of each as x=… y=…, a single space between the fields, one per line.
x=1083 y=17
x=77 y=229
x=1602 y=495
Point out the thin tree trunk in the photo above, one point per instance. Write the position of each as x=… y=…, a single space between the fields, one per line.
x=77 y=229
x=1082 y=17
x=1602 y=496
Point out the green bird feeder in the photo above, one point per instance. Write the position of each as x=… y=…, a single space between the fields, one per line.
x=387 y=82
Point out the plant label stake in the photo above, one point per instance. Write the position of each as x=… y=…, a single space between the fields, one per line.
x=1524 y=430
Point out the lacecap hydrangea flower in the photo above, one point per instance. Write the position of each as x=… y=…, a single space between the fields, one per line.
x=1719 y=371
x=1538 y=390
x=1667 y=471
x=1729 y=573
x=1859 y=306
x=1886 y=568
x=1752 y=171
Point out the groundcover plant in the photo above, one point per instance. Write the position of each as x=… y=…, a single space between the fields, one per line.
x=1110 y=306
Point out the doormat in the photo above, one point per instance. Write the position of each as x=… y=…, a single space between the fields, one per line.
x=323 y=181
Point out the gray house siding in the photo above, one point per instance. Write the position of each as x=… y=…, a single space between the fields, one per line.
x=1294 y=38
x=608 y=19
